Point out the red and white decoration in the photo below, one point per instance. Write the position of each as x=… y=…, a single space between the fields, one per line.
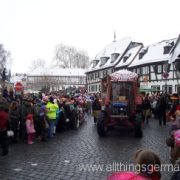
x=123 y=75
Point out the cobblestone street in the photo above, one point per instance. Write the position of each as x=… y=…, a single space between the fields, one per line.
x=64 y=156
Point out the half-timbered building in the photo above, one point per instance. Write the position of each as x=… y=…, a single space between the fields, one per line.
x=106 y=60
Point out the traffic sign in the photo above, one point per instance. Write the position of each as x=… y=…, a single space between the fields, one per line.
x=19 y=87
x=165 y=75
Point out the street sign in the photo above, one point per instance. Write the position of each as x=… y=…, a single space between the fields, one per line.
x=165 y=75
x=19 y=87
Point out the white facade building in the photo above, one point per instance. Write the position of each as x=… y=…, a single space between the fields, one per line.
x=56 y=78
x=158 y=65
x=106 y=61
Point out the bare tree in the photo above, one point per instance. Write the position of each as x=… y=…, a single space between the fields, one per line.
x=70 y=57
x=37 y=63
x=5 y=56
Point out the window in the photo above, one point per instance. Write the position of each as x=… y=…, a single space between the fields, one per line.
x=159 y=69
x=95 y=62
x=104 y=73
x=138 y=71
x=145 y=70
x=168 y=47
x=155 y=88
x=177 y=89
x=126 y=56
x=166 y=67
x=167 y=88
x=114 y=56
x=177 y=66
x=104 y=60
x=143 y=52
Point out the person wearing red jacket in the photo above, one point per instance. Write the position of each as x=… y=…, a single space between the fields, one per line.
x=3 y=129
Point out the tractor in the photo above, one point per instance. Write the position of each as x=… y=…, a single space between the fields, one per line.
x=121 y=103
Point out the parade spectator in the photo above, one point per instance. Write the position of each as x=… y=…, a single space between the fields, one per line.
x=176 y=174
x=43 y=120
x=14 y=117
x=171 y=141
x=27 y=108
x=4 y=125
x=5 y=93
x=175 y=105
x=96 y=107
x=11 y=94
x=51 y=114
x=154 y=106
x=146 y=108
x=148 y=164
x=161 y=108
x=30 y=128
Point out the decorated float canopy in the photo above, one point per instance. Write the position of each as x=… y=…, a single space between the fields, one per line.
x=123 y=75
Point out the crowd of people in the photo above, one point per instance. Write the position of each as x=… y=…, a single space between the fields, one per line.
x=33 y=117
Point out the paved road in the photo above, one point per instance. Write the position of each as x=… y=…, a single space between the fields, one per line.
x=66 y=155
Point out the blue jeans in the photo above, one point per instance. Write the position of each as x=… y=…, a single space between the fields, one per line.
x=51 y=128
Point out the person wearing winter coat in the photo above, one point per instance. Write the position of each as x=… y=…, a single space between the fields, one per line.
x=4 y=125
x=147 y=165
x=26 y=108
x=96 y=107
x=51 y=108
x=14 y=117
x=146 y=108
x=30 y=128
x=161 y=108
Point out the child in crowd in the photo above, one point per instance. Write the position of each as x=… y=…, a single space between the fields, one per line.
x=148 y=166
x=170 y=141
x=30 y=128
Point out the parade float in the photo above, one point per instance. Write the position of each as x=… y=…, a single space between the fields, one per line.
x=121 y=100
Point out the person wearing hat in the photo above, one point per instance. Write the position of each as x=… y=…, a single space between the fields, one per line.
x=3 y=129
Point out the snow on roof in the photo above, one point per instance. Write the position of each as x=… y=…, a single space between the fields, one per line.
x=175 y=52
x=154 y=54
x=123 y=75
x=57 y=72
x=115 y=47
x=130 y=55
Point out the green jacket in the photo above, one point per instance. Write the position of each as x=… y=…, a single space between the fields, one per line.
x=51 y=110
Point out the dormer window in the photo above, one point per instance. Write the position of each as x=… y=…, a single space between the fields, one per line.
x=114 y=57
x=103 y=60
x=126 y=56
x=142 y=52
x=95 y=62
x=168 y=47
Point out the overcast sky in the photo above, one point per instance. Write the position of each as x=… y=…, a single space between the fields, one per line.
x=30 y=29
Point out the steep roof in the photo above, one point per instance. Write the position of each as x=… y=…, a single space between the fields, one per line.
x=57 y=72
x=130 y=55
x=175 y=53
x=115 y=47
x=154 y=53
